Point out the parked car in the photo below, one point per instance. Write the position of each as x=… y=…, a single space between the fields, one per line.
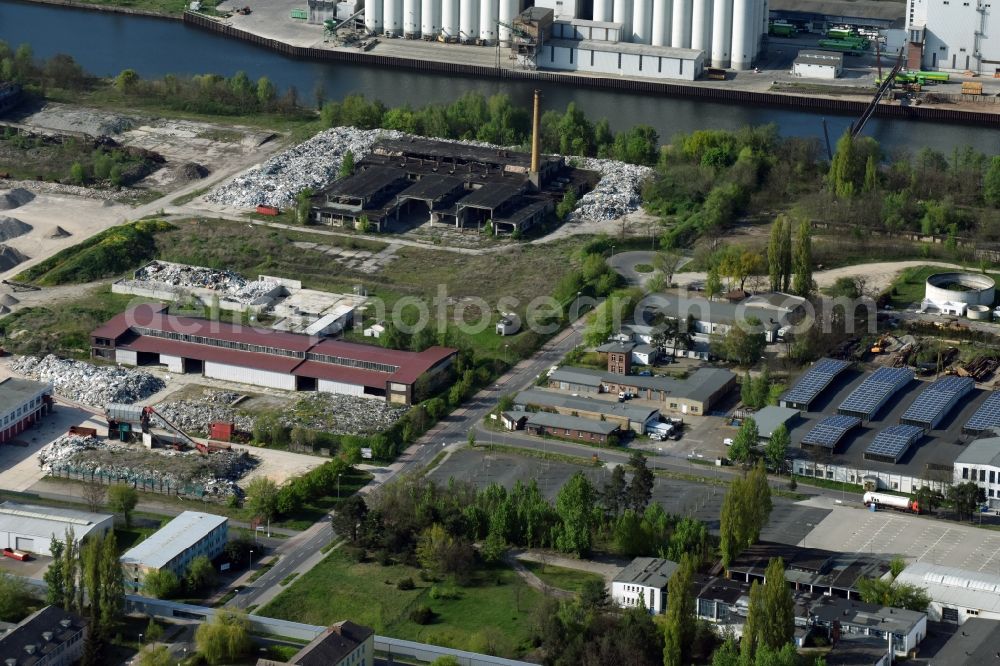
x=728 y=441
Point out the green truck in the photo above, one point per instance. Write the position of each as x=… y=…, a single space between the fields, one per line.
x=779 y=29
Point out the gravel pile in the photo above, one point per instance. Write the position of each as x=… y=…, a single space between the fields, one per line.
x=232 y=286
x=15 y=198
x=195 y=416
x=618 y=193
x=92 y=385
x=313 y=164
x=11 y=227
x=215 y=474
x=342 y=414
x=10 y=257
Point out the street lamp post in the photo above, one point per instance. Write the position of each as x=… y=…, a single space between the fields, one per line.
x=338 y=487
x=140 y=642
x=612 y=250
x=250 y=564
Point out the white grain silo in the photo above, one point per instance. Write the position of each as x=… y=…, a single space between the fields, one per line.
x=623 y=15
x=642 y=22
x=680 y=35
x=722 y=32
x=449 y=20
x=742 y=23
x=373 y=16
x=411 y=18
x=430 y=18
x=602 y=10
x=468 y=20
x=508 y=10
x=392 y=17
x=663 y=11
x=701 y=25
x=489 y=13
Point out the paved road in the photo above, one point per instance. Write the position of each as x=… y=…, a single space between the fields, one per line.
x=301 y=553
x=624 y=264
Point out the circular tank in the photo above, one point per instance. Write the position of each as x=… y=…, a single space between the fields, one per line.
x=373 y=16
x=430 y=18
x=508 y=10
x=968 y=288
x=602 y=10
x=701 y=25
x=468 y=20
x=411 y=18
x=489 y=13
x=662 y=14
x=623 y=15
x=449 y=19
x=642 y=22
x=979 y=313
x=680 y=36
x=740 y=54
x=722 y=32
x=392 y=17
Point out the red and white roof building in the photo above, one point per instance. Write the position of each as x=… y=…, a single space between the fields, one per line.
x=147 y=335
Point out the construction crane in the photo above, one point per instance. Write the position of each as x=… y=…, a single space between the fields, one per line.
x=523 y=47
x=883 y=88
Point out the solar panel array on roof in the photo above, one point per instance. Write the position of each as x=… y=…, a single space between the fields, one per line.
x=811 y=384
x=986 y=417
x=890 y=444
x=935 y=401
x=865 y=400
x=830 y=430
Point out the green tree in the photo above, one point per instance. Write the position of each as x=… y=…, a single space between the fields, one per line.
x=156 y=654
x=303 y=205
x=842 y=176
x=347 y=164
x=745 y=441
x=122 y=500
x=927 y=499
x=575 y=505
x=225 y=638
x=991 y=183
x=53 y=576
x=442 y=553
x=893 y=594
x=262 y=497
x=786 y=255
x=640 y=489
x=679 y=623
x=777 y=620
x=445 y=660
x=777 y=447
x=201 y=574
x=72 y=590
x=266 y=93
x=126 y=81
x=161 y=583
x=743 y=343
x=690 y=537
x=775 y=269
x=713 y=283
x=567 y=204
x=802 y=282
x=667 y=262
x=608 y=316
x=110 y=593
x=14 y=597
x=350 y=517
x=871 y=175
x=77 y=174
x=965 y=498
x=750 y=640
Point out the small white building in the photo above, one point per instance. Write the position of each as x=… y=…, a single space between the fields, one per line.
x=31 y=528
x=956 y=594
x=818 y=64
x=622 y=59
x=509 y=324
x=643 y=582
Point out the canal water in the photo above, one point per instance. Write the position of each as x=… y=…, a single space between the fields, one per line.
x=104 y=43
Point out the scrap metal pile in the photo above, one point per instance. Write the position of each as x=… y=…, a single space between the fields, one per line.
x=195 y=416
x=229 y=284
x=183 y=472
x=341 y=414
x=92 y=385
x=618 y=193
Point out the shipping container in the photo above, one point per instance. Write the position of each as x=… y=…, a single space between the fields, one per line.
x=267 y=210
x=124 y=413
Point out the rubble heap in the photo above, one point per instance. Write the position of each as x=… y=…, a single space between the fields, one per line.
x=214 y=475
x=92 y=385
x=342 y=414
x=618 y=193
x=311 y=164
x=230 y=285
x=195 y=416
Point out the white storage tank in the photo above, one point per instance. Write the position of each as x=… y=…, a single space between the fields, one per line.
x=722 y=32
x=392 y=17
x=662 y=15
x=449 y=19
x=489 y=13
x=681 y=32
x=623 y=15
x=642 y=22
x=701 y=25
x=430 y=19
x=602 y=10
x=508 y=10
x=411 y=18
x=468 y=20
x=373 y=16
x=740 y=54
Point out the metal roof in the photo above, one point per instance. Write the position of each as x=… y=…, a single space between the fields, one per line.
x=366 y=183
x=581 y=376
x=647 y=571
x=978 y=642
x=985 y=451
x=44 y=522
x=16 y=392
x=172 y=539
x=769 y=418
x=432 y=187
x=627 y=48
x=31 y=633
x=490 y=195
x=950 y=586
x=572 y=423
x=542 y=398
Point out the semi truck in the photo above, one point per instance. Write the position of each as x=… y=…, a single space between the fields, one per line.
x=781 y=29
x=895 y=502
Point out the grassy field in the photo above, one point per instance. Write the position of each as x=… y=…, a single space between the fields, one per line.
x=492 y=614
x=571 y=580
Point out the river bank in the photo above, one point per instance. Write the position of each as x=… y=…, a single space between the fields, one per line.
x=118 y=9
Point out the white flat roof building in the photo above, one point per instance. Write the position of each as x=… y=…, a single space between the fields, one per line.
x=31 y=527
x=956 y=594
x=184 y=538
x=643 y=581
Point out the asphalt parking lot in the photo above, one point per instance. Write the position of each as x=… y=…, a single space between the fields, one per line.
x=789 y=521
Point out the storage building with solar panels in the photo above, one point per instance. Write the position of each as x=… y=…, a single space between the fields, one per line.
x=892 y=443
x=875 y=391
x=813 y=383
x=985 y=418
x=829 y=432
x=936 y=401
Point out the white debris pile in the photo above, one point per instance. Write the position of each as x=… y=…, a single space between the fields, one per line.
x=230 y=285
x=342 y=414
x=89 y=384
x=63 y=449
x=311 y=164
x=618 y=193
x=195 y=416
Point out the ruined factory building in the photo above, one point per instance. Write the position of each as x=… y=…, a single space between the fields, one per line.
x=407 y=182
x=147 y=335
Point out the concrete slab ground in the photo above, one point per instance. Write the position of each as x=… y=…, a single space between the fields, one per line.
x=915 y=538
x=33 y=568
